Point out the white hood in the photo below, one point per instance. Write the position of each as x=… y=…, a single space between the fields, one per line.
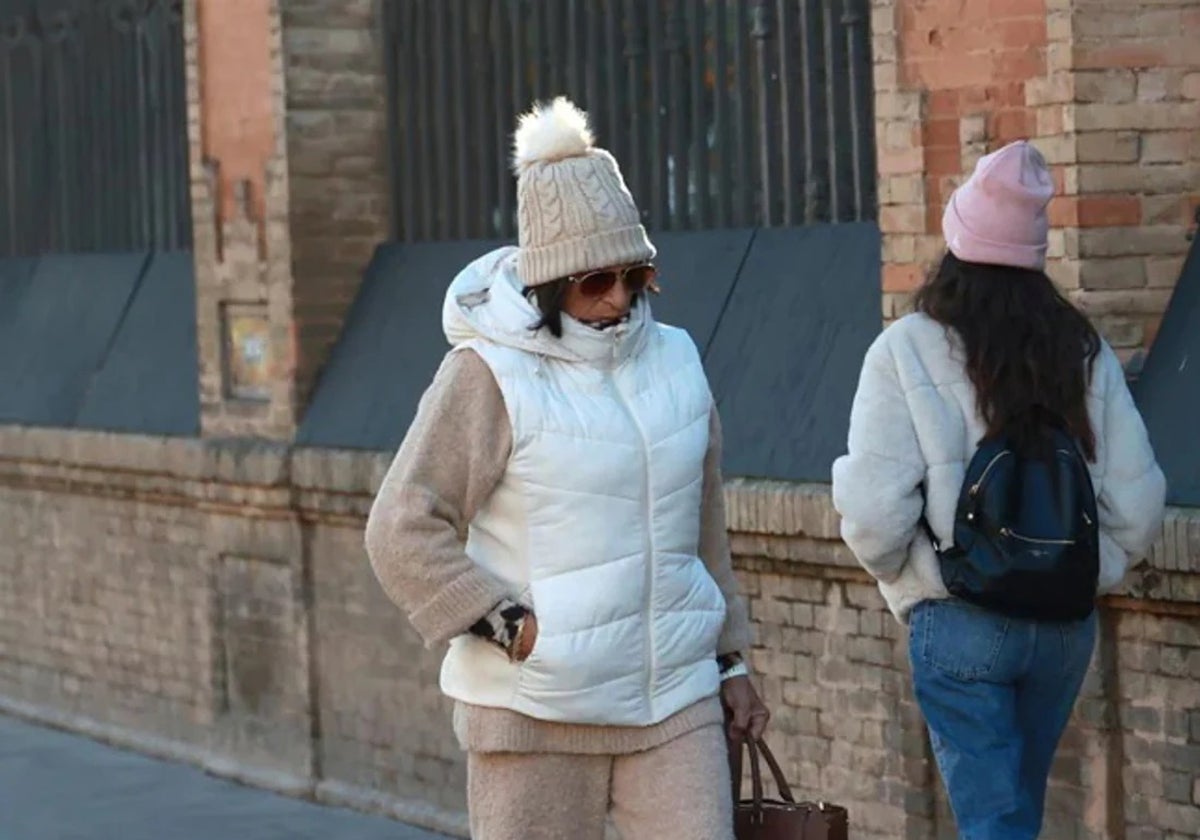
x=485 y=301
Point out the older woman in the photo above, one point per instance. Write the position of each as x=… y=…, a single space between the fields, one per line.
x=555 y=514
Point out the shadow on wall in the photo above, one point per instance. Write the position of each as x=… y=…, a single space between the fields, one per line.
x=782 y=316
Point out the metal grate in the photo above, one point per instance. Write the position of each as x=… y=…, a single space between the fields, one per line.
x=93 y=126
x=723 y=113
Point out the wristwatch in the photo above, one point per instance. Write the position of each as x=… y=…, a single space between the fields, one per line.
x=738 y=670
x=732 y=665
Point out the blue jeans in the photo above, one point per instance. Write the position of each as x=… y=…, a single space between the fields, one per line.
x=996 y=694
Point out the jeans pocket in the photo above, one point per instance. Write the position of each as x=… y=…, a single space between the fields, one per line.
x=959 y=640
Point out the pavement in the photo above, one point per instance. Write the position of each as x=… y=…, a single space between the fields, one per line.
x=59 y=786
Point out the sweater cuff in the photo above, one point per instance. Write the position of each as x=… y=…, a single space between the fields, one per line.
x=737 y=635
x=457 y=606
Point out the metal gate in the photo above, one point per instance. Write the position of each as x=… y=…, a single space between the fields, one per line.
x=93 y=126
x=723 y=113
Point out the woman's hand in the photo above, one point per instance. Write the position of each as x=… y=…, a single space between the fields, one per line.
x=745 y=712
x=526 y=639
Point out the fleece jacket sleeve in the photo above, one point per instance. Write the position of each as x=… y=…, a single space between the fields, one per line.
x=876 y=485
x=1132 y=498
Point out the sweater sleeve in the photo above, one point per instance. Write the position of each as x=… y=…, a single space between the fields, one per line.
x=452 y=458
x=737 y=636
x=1133 y=496
x=876 y=485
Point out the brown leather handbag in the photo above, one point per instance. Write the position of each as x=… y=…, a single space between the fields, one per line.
x=770 y=819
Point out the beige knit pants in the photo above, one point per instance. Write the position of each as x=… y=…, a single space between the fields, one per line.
x=678 y=791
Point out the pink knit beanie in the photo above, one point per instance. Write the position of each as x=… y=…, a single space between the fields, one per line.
x=998 y=216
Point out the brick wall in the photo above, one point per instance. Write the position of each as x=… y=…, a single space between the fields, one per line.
x=384 y=724
x=289 y=192
x=211 y=601
x=160 y=582
x=239 y=190
x=1137 y=158
x=1108 y=94
x=950 y=83
x=290 y=201
x=337 y=142
x=127 y=630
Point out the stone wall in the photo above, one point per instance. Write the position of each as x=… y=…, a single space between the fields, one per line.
x=211 y=601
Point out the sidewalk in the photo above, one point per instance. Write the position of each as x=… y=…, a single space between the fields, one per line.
x=57 y=786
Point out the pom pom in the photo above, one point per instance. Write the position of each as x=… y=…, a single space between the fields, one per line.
x=551 y=132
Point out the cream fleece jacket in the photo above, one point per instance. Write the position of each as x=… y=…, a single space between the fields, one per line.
x=454 y=454
x=914 y=420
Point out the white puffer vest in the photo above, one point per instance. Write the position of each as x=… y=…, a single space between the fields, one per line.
x=595 y=524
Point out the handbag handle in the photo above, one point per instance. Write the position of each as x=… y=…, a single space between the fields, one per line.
x=755 y=747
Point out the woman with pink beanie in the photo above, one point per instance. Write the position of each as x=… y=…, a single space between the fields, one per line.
x=998 y=478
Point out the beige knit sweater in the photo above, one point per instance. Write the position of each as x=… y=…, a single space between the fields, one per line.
x=453 y=456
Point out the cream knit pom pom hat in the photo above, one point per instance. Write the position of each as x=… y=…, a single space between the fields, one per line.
x=574 y=212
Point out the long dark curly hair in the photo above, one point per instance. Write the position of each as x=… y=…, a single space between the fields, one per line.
x=1030 y=352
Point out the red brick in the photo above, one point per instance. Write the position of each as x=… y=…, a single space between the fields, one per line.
x=1109 y=211
x=1119 y=55
x=941 y=133
x=1009 y=94
x=936 y=40
x=933 y=216
x=952 y=71
x=1021 y=64
x=902 y=278
x=938 y=188
x=943 y=161
x=1022 y=32
x=1017 y=8
x=945 y=103
x=1013 y=125
x=1064 y=211
x=973 y=97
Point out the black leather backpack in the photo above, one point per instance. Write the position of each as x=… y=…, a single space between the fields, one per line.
x=1026 y=539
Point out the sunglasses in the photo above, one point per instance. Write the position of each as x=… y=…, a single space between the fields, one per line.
x=637 y=279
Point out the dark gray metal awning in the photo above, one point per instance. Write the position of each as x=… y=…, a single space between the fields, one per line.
x=782 y=316
x=101 y=341
x=1168 y=389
